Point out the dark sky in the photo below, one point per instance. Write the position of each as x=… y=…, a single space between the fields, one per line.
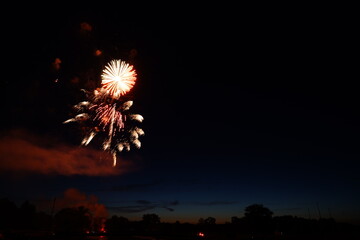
x=255 y=107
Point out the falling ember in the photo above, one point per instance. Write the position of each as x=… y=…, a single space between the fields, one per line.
x=88 y=139
x=137 y=117
x=114 y=159
x=118 y=78
x=78 y=118
x=139 y=131
x=137 y=143
x=81 y=105
x=127 y=105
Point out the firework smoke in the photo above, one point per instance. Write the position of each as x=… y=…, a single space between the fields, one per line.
x=105 y=111
x=25 y=153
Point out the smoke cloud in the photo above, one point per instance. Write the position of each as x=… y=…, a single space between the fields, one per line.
x=23 y=152
x=74 y=198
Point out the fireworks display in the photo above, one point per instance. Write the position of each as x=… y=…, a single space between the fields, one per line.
x=106 y=112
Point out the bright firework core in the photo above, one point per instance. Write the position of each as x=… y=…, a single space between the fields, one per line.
x=118 y=78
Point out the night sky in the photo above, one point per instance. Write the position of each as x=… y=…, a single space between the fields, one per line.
x=251 y=107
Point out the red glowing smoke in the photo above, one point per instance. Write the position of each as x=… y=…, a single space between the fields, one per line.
x=21 y=151
x=74 y=198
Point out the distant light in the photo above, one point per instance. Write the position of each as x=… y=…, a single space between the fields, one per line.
x=200 y=234
x=86 y=27
x=98 y=52
x=56 y=64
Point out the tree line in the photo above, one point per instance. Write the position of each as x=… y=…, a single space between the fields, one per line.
x=258 y=222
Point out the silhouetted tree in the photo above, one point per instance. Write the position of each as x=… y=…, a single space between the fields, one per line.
x=257 y=211
x=72 y=220
x=210 y=221
x=207 y=221
x=258 y=218
x=117 y=225
x=26 y=217
x=235 y=220
x=8 y=212
x=151 y=219
x=43 y=221
x=151 y=223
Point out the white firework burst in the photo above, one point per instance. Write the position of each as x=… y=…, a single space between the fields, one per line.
x=118 y=78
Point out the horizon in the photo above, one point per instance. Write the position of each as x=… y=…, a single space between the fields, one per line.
x=192 y=220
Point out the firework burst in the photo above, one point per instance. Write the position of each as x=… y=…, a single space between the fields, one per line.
x=118 y=78
x=105 y=112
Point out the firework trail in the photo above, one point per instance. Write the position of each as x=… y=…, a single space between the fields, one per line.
x=106 y=112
